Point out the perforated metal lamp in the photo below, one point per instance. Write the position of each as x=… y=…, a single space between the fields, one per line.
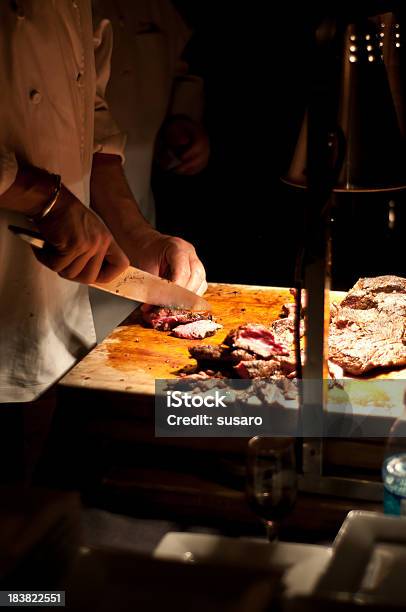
x=371 y=118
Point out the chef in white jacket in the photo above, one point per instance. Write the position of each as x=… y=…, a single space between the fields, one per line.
x=60 y=157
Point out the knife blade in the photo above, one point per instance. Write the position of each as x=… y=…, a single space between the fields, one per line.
x=134 y=284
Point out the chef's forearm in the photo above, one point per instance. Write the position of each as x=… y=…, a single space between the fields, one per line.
x=30 y=192
x=112 y=199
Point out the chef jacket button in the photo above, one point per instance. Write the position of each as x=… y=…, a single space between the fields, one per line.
x=35 y=96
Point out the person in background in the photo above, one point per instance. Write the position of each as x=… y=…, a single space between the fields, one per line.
x=157 y=103
x=152 y=96
x=61 y=173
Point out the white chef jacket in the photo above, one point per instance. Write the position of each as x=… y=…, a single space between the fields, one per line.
x=149 y=81
x=53 y=115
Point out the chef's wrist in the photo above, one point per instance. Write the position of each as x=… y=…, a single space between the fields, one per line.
x=143 y=233
x=107 y=181
x=103 y=160
x=53 y=200
x=65 y=203
x=107 y=170
x=31 y=193
x=138 y=239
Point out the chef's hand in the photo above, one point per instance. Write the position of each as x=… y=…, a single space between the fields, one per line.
x=82 y=248
x=146 y=248
x=171 y=258
x=188 y=140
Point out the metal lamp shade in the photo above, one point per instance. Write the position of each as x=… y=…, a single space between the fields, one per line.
x=371 y=112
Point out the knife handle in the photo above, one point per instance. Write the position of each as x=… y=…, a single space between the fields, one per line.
x=33 y=238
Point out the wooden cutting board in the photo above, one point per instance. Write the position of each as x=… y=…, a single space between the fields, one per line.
x=133 y=356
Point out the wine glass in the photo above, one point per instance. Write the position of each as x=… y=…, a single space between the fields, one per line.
x=271 y=480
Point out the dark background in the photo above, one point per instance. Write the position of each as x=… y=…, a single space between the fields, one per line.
x=244 y=222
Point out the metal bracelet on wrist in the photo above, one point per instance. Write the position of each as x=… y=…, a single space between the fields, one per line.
x=53 y=200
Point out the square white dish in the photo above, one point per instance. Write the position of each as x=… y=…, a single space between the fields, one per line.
x=368 y=560
x=302 y=564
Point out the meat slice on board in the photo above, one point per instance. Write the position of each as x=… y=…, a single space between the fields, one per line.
x=257 y=339
x=165 y=319
x=196 y=330
x=219 y=354
x=368 y=328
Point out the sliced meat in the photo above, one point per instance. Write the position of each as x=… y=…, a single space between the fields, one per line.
x=165 y=319
x=238 y=355
x=289 y=388
x=196 y=330
x=368 y=329
x=218 y=354
x=210 y=352
x=336 y=372
x=287 y=365
x=333 y=310
x=202 y=375
x=257 y=369
x=269 y=392
x=379 y=284
x=276 y=389
x=257 y=339
x=284 y=333
x=261 y=368
x=284 y=330
x=272 y=342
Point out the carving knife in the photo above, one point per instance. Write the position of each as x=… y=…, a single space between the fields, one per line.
x=134 y=284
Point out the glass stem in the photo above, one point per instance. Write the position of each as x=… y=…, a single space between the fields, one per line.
x=271 y=531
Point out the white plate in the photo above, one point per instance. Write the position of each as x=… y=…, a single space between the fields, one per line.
x=368 y=560
x=302 y=563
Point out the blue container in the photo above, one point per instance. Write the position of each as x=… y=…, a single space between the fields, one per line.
x=394 y=480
